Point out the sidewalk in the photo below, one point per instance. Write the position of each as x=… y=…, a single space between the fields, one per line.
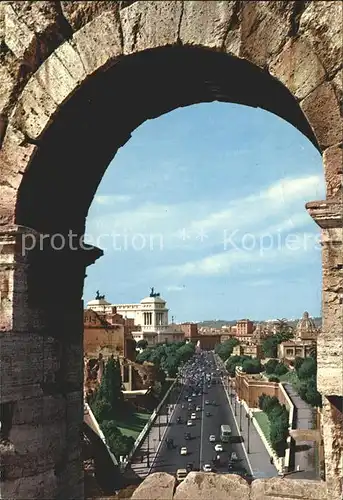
x=143 y=460
x=305 y=459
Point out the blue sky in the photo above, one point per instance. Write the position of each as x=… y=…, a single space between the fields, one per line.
x=206 y=204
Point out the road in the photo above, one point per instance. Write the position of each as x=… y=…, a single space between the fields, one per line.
x=200 y=449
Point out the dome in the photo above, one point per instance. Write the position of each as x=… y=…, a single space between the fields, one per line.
x=98 y=302
x=153 y=300
x=306 y=327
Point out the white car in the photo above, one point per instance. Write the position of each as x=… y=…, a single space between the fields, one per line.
x=189 y=423
x=198 y=408
x=193 y=416
x=207 y=468
x=207 y=402
x=218 y=447
x=189 y=400
x=233 y=456
x=212 y=438
x=183 y=450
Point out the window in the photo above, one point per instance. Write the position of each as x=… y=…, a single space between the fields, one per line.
x=289 y=352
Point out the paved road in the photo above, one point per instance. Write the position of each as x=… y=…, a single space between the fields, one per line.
x=200 y=450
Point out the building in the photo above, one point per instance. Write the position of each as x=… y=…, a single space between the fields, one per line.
x=101 y=336
x=304 y=342
x=190 y=330
x=147 y=320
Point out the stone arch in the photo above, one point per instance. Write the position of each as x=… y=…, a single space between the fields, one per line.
x=274 y=45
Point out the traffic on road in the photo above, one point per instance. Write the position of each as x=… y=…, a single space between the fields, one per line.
x=202 y=432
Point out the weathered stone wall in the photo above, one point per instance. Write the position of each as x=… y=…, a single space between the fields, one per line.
x=206 y=486
x=55 y=60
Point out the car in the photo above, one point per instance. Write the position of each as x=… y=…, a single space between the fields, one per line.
x=218 y=447
x=233 y=457
x=198 y=408
x=183 y=406
x=181 y=474
x=189 y=467
x=208 y=414
x=207 y=468
x=207 y=402
x=193 y=416
x=179 y=420
x=188 y=435
x=194 y=395
x=183 y=450
x=212 y=438
x=189 y=400
x=189 y=423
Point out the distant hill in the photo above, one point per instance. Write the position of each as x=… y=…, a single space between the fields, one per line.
x=218 y=323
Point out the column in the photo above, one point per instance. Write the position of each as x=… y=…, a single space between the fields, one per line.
x=41 y=351
x=328 y=215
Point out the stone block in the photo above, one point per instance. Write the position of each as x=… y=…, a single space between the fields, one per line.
x=40 y=410
x=265 y=28
x=333 y=169
x=71 y=60
x=99 y=42
x=78 y=14
x=207 y=486
x=34 y=110
x=17 y=36
x=56 y=79
x=337 y=82
x=322 y=110
x=40 y=486
x=157 y=486
x=206 y=24
x=287 y=489
x=321 y=24
x=298 y=68
x=147 y=25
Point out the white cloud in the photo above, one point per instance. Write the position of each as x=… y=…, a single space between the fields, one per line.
x=175 y=288
x=275 y=200
x=278 y=208
x=240 y=259
x=111 y=199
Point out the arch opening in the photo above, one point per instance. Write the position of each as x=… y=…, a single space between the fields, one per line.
x=75 y=150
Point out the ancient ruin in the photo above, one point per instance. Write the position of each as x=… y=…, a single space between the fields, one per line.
x=76 y=79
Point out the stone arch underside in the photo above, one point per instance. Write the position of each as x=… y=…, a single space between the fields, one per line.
x=55 y=58
x=75 y=150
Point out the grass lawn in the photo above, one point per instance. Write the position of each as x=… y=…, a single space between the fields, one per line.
x=133 y=424
x=263 y=422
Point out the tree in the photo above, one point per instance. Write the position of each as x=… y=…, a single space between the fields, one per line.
x=224 y=350
x=298 y=362
x=143 y=356
x=252 y=366
x=119 y=444
x=280 y=369
x=270 y=366
x=110 y=390
x=273 y=379
x=307 y=369
x=269 y=346
x=284 y=331
x=142 y=344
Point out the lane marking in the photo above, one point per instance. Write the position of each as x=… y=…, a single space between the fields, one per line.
x=202 y=424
